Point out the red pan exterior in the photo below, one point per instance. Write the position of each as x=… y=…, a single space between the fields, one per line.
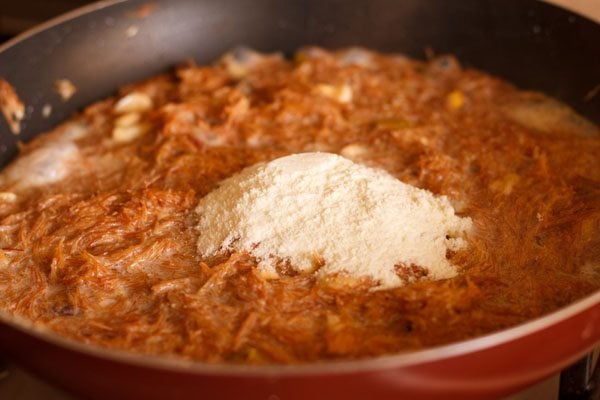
x=489 y=367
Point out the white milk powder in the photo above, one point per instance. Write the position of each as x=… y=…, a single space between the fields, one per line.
x=358 y=220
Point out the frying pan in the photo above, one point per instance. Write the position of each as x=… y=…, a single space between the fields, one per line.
x=533 y=44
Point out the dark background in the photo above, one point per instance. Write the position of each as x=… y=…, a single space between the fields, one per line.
x=19 y=15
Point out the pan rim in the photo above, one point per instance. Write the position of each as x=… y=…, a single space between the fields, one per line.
x=428 y=355
x=68 y=16
x=101 y=4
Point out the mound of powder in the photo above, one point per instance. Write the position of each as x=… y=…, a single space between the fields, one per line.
x=354 y=219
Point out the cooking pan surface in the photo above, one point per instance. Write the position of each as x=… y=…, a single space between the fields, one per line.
x=109 y=44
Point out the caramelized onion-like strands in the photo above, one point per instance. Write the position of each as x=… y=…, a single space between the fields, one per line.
x=107 y=253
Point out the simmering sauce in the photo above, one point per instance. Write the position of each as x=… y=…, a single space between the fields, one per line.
x=98 y=218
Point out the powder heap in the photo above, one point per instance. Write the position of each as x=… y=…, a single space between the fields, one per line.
x=356 y=220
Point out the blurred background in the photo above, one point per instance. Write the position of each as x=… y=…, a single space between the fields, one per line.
x=20 y=15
